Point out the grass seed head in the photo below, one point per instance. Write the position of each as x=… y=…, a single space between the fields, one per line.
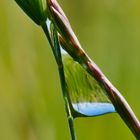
x=35 y=9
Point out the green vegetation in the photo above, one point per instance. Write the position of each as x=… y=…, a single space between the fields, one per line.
x=25 y=82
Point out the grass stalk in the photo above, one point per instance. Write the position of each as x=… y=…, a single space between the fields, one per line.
x=56 y=50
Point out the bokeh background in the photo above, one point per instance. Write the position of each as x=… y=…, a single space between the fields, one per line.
x=31 y=103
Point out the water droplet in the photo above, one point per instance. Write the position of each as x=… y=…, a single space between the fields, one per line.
x=86 y=95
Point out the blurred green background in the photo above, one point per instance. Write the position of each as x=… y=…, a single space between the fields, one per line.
x=31 y=103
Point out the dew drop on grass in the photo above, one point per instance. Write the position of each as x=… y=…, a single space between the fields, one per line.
x=86 y=95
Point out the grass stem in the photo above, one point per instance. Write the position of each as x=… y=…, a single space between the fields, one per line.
x=56 y=50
